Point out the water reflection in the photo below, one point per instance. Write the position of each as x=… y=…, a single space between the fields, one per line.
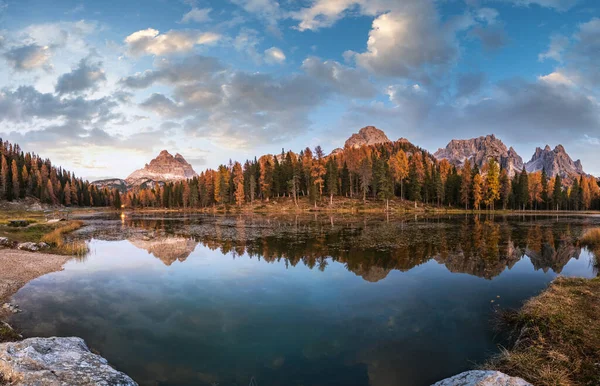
x=370 y=249
x=294 y=301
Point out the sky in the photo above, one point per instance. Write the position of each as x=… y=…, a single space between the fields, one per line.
x=101 y=87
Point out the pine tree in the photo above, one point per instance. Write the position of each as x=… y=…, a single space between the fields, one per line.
x=366 y=175
x=557 y=193
x=523 y=193
x=505 y=188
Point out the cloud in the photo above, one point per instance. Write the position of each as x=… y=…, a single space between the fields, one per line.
x=556 y=78
x=469 y=84
x=491 y=37
x=341 y=79
x=268 y=11
x=560 y=5
x=161 y=105
x=322 y=13
x=558 y=43
x=85 y=77
x=528 y=111
x=274 y=55
x=28 y=57
x=409 y=43
x=191 y=68
x=26 y=103
x=151 y=42
x=247 y=42
x=197 y=15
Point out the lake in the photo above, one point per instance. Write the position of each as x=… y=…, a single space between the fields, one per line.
x=310 y=300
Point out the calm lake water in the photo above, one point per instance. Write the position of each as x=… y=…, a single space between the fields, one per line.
x=206 y=300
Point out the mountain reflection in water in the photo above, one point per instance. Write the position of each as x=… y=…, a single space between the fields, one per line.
x=483 y=248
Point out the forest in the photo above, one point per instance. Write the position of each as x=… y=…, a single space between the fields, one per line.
x=397 y=170
x=28 y=175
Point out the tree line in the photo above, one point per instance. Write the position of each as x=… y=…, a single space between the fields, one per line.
x=28 y=175
x=397 y=170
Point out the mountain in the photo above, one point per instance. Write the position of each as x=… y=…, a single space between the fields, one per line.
x=369 y=135
x=164 y=168
x=479 y=150
x=555 y=162
x=112 y=183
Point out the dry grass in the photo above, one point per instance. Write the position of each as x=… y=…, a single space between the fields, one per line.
x=7 y=334
x=56 y=240
x=591 y=238
x=556 y=336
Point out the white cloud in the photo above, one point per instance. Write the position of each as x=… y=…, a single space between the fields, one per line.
x=322 y=13
x=560 y=5
x=151 y=42
x=197 y=15
x=556 y=78
x=408 y=43
x=274 y=55
x=558 y=43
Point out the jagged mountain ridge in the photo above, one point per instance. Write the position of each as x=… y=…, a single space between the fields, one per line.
x=368 y=135
x=164 y=168
x=478 y=151
x=555 y=162
x=168 y=168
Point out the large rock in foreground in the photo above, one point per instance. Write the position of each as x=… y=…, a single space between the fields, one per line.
x=56 y=361
x=482 y=378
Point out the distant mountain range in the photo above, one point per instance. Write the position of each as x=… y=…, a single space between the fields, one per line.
x=478 y=151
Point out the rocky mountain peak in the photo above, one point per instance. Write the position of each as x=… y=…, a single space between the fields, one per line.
x=163 y=168
x=479 y=150
x=369 y=135
x=554 y=162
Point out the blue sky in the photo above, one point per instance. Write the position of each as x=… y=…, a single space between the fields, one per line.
x=102 y=87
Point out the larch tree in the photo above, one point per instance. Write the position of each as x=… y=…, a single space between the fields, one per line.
x=4 y=179
x=492 y=183
x=398 y=164
x=238 y=182
x=16 y=188
x=477 y=191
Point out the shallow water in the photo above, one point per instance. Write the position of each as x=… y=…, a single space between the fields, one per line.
x=207 y=300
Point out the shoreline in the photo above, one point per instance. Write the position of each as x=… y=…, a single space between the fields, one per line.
x=21 y=267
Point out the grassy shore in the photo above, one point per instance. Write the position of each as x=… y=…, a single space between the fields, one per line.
x=556 y=336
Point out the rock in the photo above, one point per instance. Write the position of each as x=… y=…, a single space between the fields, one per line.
x=43 y=245
x=5 y=242
x=164 y=168
x=555 y=162
x=368 y=135
x=482 y=378
x=478 y=151
x=31 y=247
x=56 y=361
x=111 y=184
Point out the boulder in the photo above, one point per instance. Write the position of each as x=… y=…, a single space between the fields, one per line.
x=482 y=378
x=56 y=361
x=31 y=247
x=5 y=242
